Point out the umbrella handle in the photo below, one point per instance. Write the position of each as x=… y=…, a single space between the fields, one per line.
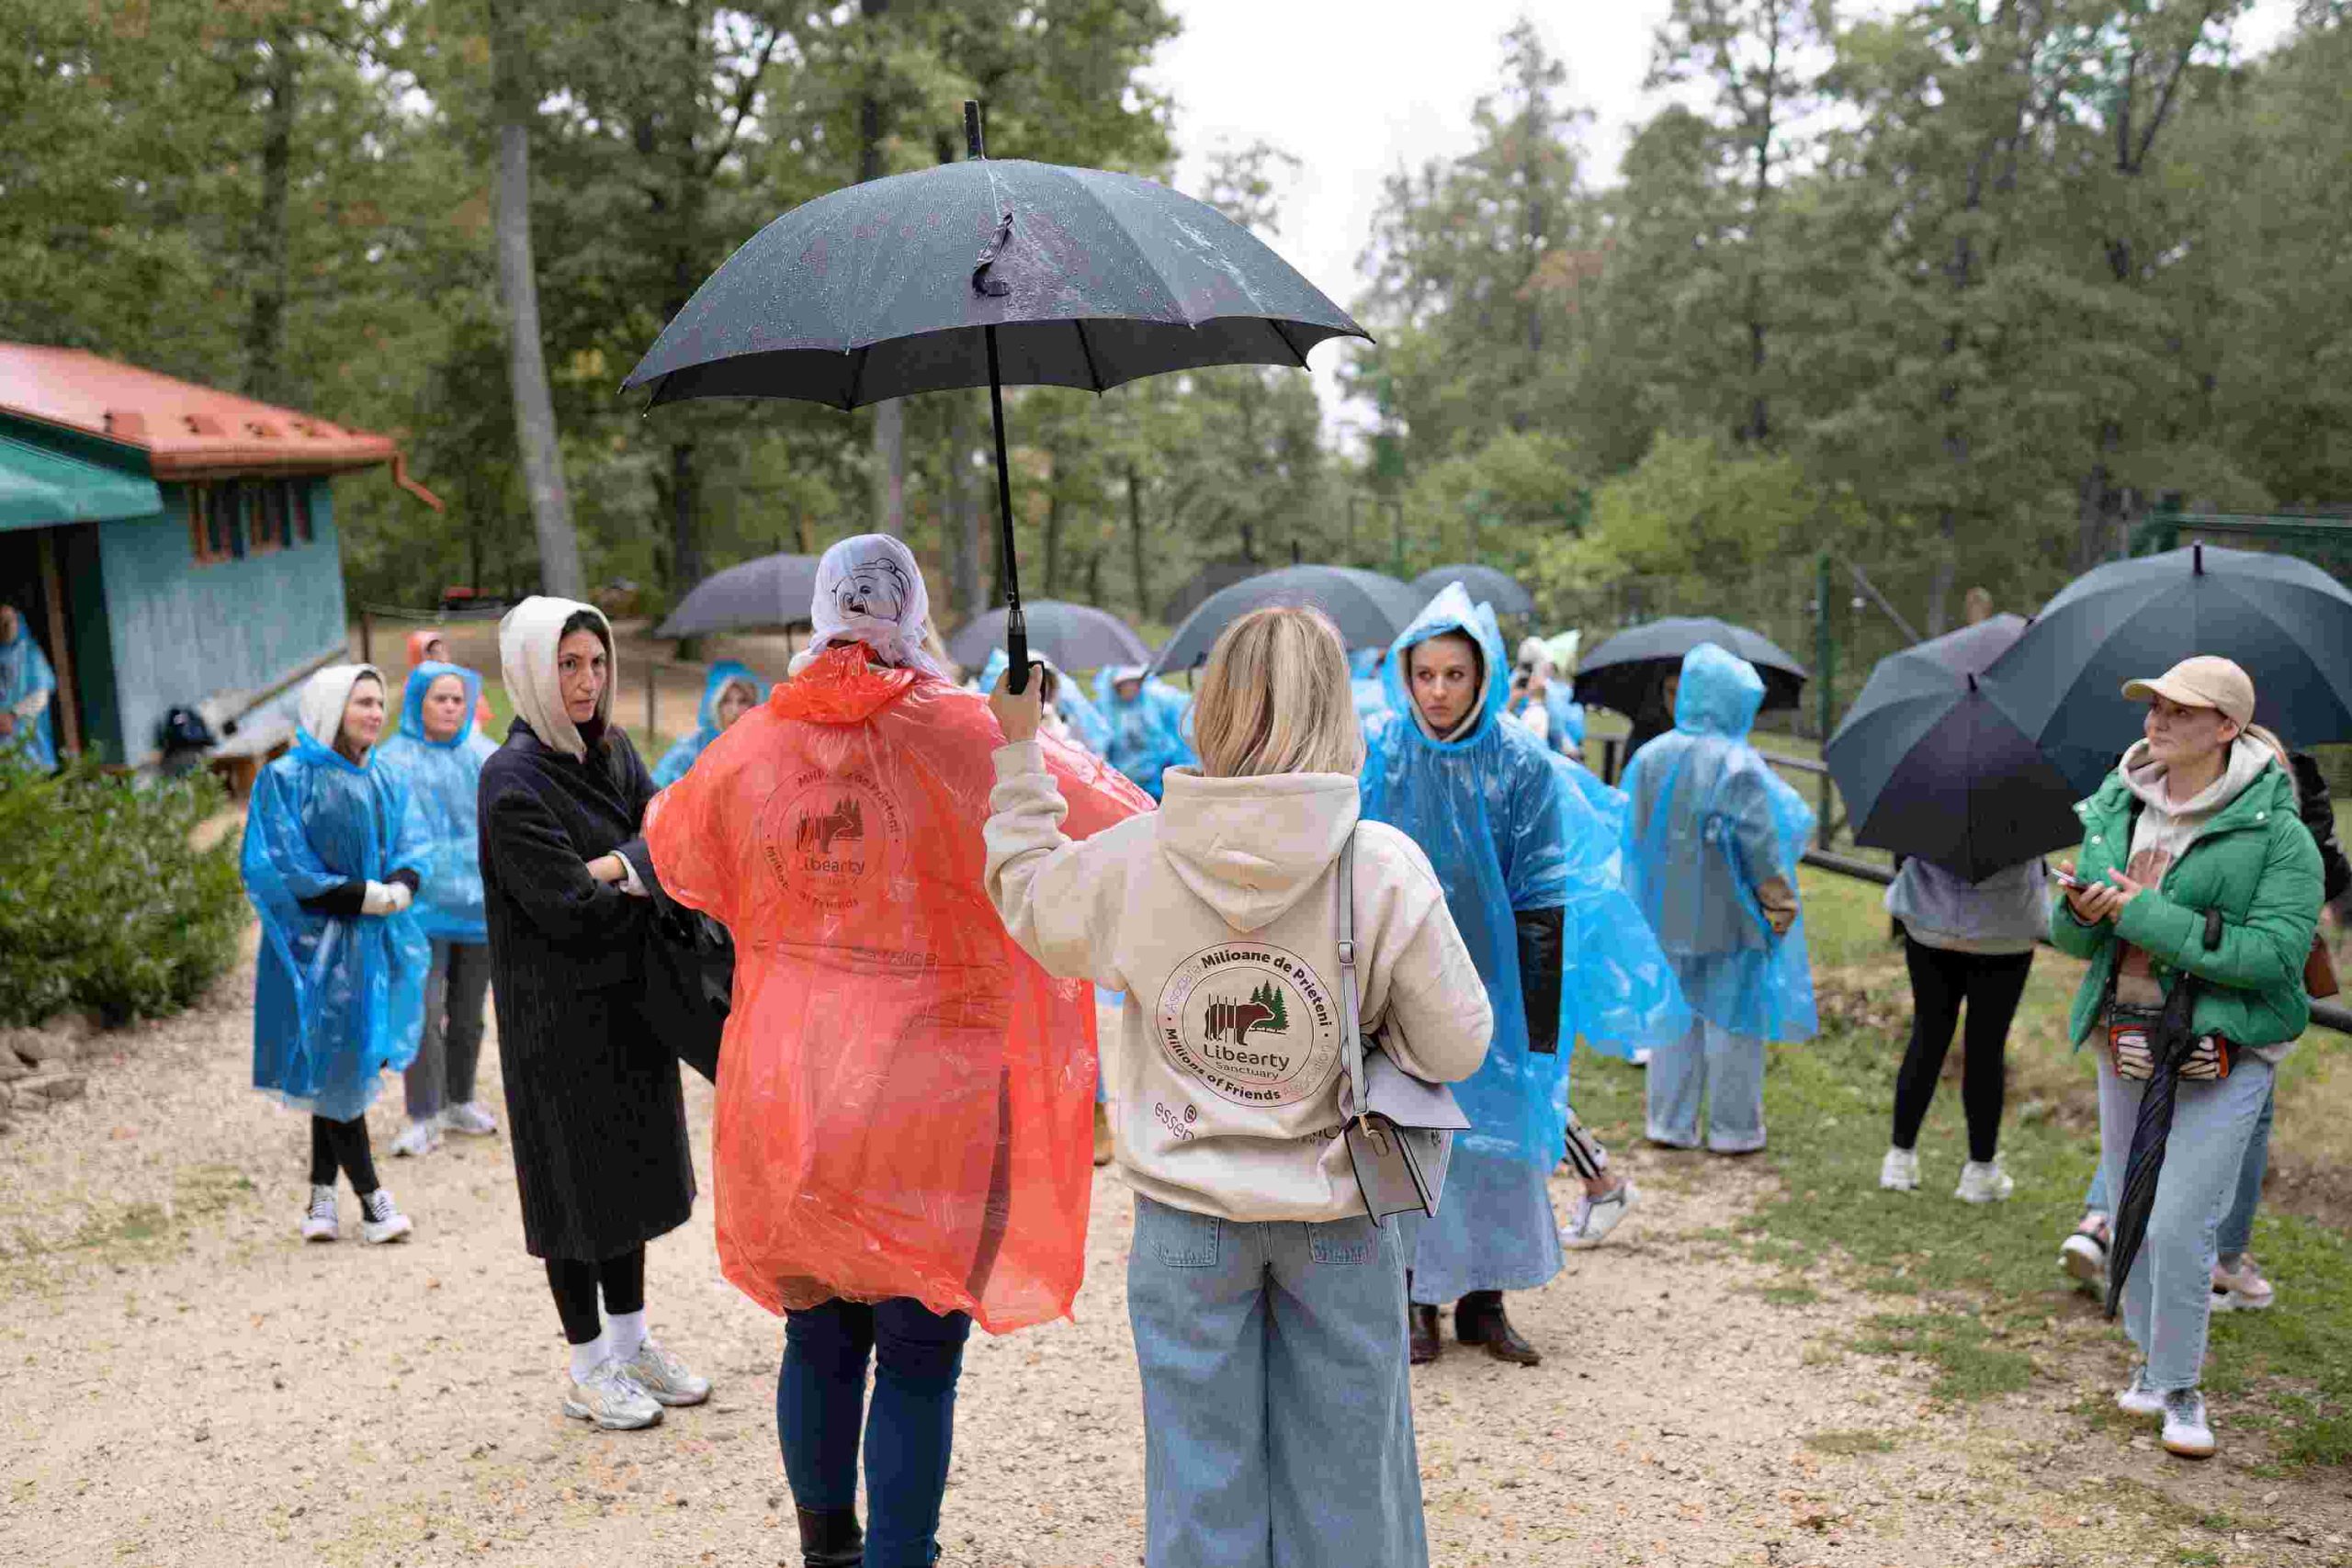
x=1016 y=649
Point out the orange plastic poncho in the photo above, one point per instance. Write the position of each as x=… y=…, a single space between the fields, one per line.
x=905 y=1098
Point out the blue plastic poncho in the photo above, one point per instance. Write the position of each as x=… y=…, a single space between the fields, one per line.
x=1147 y=733
x=336 y=1001
x=1710 y=821
x=444 y=781
x=1087 y=726
x=1618 y=993
x=1487 y=811
x=1371 y=691
x=679 y=757
x=25 y=674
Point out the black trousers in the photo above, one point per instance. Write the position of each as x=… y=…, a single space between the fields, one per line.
x=576 y=1282
x=1990 y=984
x=342 y=1145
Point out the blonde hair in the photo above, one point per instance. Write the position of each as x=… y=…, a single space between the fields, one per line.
x=1276 y=699
x=2252 y=731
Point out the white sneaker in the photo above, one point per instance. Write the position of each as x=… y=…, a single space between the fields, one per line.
x=380 y=1219
x=1642 y=1056
x=2083 y=1257
x=1984 y=1183
x=2187 y=1432
x=2242 y=1289
x=664 y=1377
x=1899 y=1171
x=319 y=1220
x=418 y=1138
x=470 y=1118
x=1595 y=1217
x=609 y=1398
x=2138 y=1398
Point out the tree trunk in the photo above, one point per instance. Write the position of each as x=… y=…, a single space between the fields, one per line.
x=266 y=326
x=1053 y=524
x=1136 y=543
x=535 y=431
x=963 y=511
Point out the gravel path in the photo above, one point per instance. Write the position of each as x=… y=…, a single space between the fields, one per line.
x=188 y=1384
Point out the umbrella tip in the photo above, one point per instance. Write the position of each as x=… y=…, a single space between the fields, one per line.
x=974 y=142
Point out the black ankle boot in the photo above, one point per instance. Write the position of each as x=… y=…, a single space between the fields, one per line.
x=830 y=1538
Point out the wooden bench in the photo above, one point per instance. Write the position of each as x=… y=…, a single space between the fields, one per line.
x=239 y=760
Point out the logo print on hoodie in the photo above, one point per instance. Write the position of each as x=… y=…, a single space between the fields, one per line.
x=825 y=837
x=1253 y=1022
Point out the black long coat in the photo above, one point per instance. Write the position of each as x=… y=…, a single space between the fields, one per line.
x=588 y=1021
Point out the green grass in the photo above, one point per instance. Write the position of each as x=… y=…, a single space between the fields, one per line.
x=1848 y=1443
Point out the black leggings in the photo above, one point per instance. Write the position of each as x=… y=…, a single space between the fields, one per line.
x=574 y=1281
x=342 y=1145
x=1991 y=983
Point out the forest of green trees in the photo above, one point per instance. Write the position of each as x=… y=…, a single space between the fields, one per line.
x=1954 y=290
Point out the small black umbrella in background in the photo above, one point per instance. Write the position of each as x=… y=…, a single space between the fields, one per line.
x=984 y=273
x=1623 y=673
x=2287 y=622
x=1369 y=608
x=1929 y=765
x=1484 y=585
x=773 y=590
x=1074 y=637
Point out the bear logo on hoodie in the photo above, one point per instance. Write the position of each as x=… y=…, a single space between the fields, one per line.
x=1253 y=1022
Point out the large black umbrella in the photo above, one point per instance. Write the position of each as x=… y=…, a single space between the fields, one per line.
x=1485 y=585
x=1370 y=609
x=2289 y=622
x=1074 y=637
x=1623 y=673
x=2170 y=1042
x=773 y=590
x=984 y=273
x=1928 y=764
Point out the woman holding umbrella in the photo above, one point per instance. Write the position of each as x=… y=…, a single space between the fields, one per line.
x=2196 y=870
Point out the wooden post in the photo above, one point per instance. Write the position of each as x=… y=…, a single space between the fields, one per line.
x=1825 y=676
x=366 y=636
x=67 y=700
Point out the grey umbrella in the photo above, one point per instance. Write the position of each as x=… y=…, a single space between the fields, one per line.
x=1370 y=609
x=983 y=274
x=1485 y=585
x=773 y=590
x=1074 y=637
x=1623 y=673
x=2287 y=622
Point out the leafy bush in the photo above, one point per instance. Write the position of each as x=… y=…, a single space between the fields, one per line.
x=103 y=905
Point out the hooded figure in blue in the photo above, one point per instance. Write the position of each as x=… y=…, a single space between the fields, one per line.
x=1147 y=725
x=438 y=754
x=1482 y=799
x=26 y=686
x=1371 y=691
x=333 y=856
x=1712 y=844
x=1071 y=717
x=731 y=692
x=1540 y=699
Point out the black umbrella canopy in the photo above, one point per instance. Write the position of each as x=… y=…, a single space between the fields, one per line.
x=1485 y=585
x=1370 y=609
x=1928 y=764
x=1622 y=671
x=773 y=590
x=2284 y=620
x=1074 y=637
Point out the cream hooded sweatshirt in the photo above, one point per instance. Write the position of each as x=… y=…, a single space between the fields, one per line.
x=1217 y=916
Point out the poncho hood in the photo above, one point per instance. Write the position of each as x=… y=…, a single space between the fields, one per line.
x=420 y=681
x=1720 y=695
x=527 y=652
x=325 y=696
x=1250 y=848
x=725 y=673
x=844 y=685
x=1451 y=611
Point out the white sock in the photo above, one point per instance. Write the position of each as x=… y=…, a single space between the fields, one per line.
x=586 y=1359
x=625 y=1334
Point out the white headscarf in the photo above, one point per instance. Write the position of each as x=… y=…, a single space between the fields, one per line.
x=870 y=591
x=326 y=695
x=527 y=645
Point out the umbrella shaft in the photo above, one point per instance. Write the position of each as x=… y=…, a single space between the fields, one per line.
x=1017 y=625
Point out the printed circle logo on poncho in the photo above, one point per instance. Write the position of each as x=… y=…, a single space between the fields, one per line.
x=826 y=837
x=1252 y=1021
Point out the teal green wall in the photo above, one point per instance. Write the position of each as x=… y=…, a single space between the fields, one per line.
x=177 y=632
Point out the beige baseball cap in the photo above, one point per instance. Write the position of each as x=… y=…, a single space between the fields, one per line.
x=2204 y=681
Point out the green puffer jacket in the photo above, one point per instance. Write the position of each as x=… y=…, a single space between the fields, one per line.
x=2256 y=862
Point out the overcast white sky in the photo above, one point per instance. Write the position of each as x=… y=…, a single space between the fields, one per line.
x=1358 y=88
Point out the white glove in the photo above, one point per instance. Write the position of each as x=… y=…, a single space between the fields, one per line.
x=401 y=896
x=383 y=898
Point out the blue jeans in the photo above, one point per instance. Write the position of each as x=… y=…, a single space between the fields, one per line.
x=2236 y=1234
x=1728 y=1070
x=2169 y=1296
x=820 y=1409
x=1278 y=1415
